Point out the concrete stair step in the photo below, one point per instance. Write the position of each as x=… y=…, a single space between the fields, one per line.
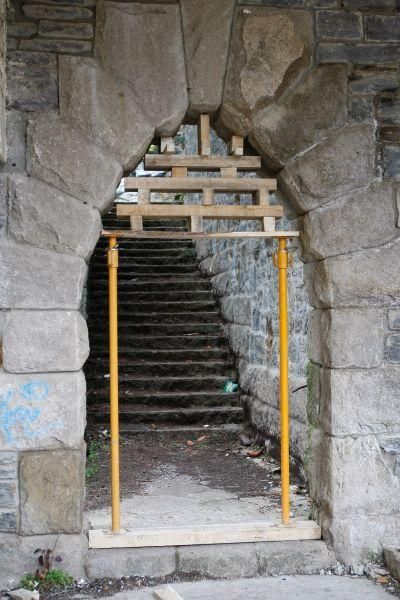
x=156 y=259
x=220 y=561
x=142 y=353
x=163 y=329
x=137 y=284
x=162 y=384
x=169 y=399
x=126 y=317
x=167 y=295
x=133 y=266
x=167 y=342
x=146 y=307
x=164 y=369
x=215 y=415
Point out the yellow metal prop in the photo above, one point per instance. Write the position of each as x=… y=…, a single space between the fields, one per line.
x=112 y=262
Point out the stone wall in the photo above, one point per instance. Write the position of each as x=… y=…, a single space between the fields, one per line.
x=323 y=114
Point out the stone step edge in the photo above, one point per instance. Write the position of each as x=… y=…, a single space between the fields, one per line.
x=219 y=561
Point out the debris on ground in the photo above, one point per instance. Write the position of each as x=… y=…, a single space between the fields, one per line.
x=230 y=387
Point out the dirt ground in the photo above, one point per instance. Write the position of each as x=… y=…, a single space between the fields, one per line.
x=216 y=459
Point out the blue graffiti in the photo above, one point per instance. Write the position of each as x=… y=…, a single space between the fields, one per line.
x=22 y=416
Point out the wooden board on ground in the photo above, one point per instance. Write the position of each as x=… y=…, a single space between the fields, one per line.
x=223 y=533
x=197 y=184
x=189 y=235
x=201 y=163
x=166 y=593
x=208 y=211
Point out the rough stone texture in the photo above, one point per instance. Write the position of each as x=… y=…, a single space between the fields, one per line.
x=44 y=411
x=355 y=537
x=394 y=319
x=43 y=216
x=17 y=554
x=374 y=405
x=342 y=163
x=8 y=465
x=358 y=54
x=338 y=25
x=3 y=85
x=52 y=491
x=32 y=81
x=8 y=494
x=347 y=338
x=206 y=31
x=56 y=45
x=364 y=278
x=391 y=162
x=382 y=28
x=344 y=475
x=30 y=278
x=365 y=82
x=371 y=213
x=393 y=348
x=44 y=341
x=8 y=520
x=125 y=562
x=123 y=43
x=106 y=113
x=304 y=116
x=226 y=561
x=62 y=13
x=16 y=143
x=63 y=157
x=392 y=560
x=66 y=30
x=269 y=48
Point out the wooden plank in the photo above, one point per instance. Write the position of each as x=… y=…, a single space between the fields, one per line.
x=213 y=211
x=187 y=235
x=179 y=172
x=203 y=135
x=166 y=593
x=208 y=197
x=263 y=200
x=201 y=163
x=235 y=146
x=197 y=184
x=167 y=145
x=228 y=172
x=196 y=224
x=223 y=533
x=137 y=221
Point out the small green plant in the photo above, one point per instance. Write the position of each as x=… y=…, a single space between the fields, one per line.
x=92 y=459
x=45 y=576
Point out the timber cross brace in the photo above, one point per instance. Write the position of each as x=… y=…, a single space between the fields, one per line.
x=262 y=210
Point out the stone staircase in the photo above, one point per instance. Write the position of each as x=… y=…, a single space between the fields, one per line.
x=174 y=357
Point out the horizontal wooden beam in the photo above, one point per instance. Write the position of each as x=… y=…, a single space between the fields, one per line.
x=197 y=184
x=201 y=163
x=208 y=211
x=225 y=533
x=190 y=235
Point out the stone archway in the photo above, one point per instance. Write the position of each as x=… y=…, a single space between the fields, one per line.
x=265 y=85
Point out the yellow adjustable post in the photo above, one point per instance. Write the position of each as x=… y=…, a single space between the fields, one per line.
x=281 y=260
x=112 y=262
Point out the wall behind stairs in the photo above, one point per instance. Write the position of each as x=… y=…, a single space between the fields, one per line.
x=246 y=282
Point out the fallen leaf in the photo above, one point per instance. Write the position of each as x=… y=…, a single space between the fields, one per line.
x=189 y=443
x=255 y=453
x=382 y=579
x=202 y=438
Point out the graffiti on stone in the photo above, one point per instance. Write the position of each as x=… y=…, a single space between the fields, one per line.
x=20 y=410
